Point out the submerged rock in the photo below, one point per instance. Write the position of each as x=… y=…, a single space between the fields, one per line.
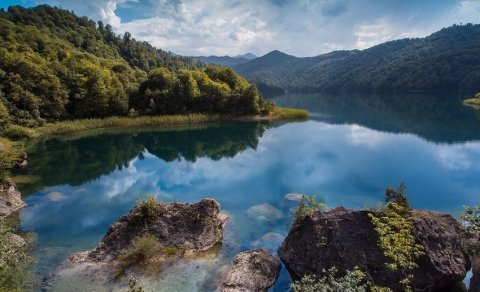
x=10 y=199
x=190 y=227
x=264 y=212
x=270 y=241
x=254 y=270
x=346 y=239
x=296 y=197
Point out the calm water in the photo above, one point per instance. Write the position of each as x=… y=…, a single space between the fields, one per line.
x=346 y=154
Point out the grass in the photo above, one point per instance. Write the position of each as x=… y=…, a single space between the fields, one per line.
x=75 y=126
x=472 y=102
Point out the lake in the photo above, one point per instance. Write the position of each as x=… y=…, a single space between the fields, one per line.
x=347 y=153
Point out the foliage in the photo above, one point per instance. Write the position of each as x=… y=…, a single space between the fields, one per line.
x=471 y=216
x=134 y=286
x=56 y=66
x=398 y=197
x=352 y=281
x=146 y=208
x=15 y=263
x=214 y=90
x=140 y=250
x=307 y=206
x=396 y=239
x=448 y=60
x=16 y=132
x=9 y=154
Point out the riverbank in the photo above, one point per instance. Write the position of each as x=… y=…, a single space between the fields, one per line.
x=76 y=126
x=472 y=102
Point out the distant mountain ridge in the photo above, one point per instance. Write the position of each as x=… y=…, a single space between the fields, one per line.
x=448 y=60
x=226 y=60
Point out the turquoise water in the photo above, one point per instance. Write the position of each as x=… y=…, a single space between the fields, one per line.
x=346 y=154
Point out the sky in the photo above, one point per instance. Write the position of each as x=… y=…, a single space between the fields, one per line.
x=297 y=27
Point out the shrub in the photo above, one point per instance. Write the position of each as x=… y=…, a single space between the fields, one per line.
x=307 y=206
x=15 y=264
x=396 y=239
x=398 y=196
x=471 y=218
x=140 y=250
x=8 y=157
x=351 y=282
x=134 y=286
x=146 y=208
x=16 y=132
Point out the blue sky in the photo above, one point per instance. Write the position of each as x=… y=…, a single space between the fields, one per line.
x=298 y=27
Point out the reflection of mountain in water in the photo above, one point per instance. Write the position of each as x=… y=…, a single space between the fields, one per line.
x=75 y=161
x=431 y=117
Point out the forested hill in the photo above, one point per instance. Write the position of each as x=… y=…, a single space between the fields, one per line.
x=86 y=35
x=448 y=60
x=55 y=65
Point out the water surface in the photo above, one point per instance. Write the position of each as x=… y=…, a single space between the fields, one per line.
x=346 y=154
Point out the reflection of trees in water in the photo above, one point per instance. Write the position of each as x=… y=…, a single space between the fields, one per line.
x=75 y=161
x=432 y=117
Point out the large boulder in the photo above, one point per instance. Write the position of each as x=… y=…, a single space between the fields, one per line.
x=190 y=227
x=254 y=270
x=10 y=199
x=346 y=239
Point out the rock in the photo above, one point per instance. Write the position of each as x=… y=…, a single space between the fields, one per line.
x=10 y=199
x=264 y=212
x=15 y=240
x=270 y=241
x=294 y=197
x=254 y=270
x=346 y=238
x=191 y=227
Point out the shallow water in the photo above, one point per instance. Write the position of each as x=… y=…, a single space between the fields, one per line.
x=346 y=154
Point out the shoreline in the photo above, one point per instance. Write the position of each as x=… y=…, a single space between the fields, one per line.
x=83 y=125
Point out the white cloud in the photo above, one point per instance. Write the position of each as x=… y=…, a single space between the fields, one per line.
x=303 y=28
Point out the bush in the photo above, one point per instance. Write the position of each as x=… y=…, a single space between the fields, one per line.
x=8 y=157
x=140 y=250
x=471 y=218
x=307 y=206
x=15 y=264
x=16 y=132
x=351 y=282
x=146 y=208
x=398 y=197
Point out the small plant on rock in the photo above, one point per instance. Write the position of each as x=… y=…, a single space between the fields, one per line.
x=307 y=206
x=140 y=250
x=471 y=218
x=352 y=281
x=146 y=208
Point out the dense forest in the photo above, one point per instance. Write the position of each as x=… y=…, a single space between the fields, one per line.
x=55 y=65
x=448 y=60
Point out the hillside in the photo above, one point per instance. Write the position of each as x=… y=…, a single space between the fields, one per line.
x=56 y=66
x=226 y=60
x=448 y=60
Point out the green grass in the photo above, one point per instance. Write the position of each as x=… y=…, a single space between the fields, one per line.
x=472 y=102
x=285 y=113
x=76 y=126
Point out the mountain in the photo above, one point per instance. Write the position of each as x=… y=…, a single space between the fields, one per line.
x=448 y=60
x=226 y=60
x=248 y=56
